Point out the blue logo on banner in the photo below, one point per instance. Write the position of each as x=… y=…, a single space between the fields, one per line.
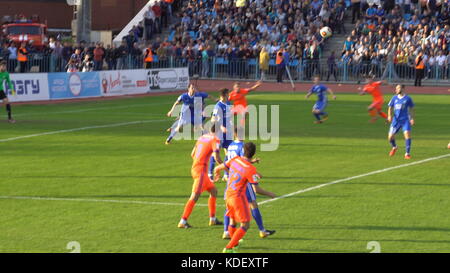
x=74 y=85
x=24 y=87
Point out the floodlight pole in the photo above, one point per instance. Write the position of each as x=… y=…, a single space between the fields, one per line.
x=84 y=20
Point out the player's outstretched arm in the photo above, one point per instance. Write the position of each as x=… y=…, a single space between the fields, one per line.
x=331 y=93
x=262 y=191
x=258 y=84
x=169 y=114
x=308 y=95
x=361 y=91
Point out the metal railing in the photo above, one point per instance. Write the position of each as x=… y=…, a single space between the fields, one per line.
x=224 y=68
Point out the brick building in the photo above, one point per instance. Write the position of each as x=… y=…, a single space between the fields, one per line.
x=106 y=14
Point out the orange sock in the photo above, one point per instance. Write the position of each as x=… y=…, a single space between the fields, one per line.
x=188 y=209
x=231 y=230
x=236 y=237
x=382 y=114
x=212 y=206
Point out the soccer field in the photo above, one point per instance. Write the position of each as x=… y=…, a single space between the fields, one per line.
x=98 y=173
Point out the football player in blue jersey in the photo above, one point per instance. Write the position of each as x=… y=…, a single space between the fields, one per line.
x=401 y=115
x=191 y=111
x=321 y=91
x=222 y=115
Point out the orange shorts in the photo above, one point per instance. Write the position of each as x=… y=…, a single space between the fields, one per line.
x=377 y=104
x=201 y=180
x=238 y=209
x=239 y=110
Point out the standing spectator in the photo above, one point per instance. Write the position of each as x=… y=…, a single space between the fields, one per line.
x=22 y=57
x=5 y=53
x=66 y=54
x=122 y=53
x=56 y=57
x=12 y=57
x=87 y=65
x=279 y=61
x=263 y=62
x=136 y=54
x=205 y=62
x=99 y=54
x=164 y=19
x=149 y=19
x=157 y=10
x=110 y=57
x=356 y=10
x=148 y=57
x=420 y=67
x=331 y=62
x=161 y=52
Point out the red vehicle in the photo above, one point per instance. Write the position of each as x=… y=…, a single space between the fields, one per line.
x=26 y=31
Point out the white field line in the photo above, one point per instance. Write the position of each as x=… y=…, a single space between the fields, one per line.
x=81 y=129
x=87 y=109
x=353 y=177
x=203 y=205
x=96 y=200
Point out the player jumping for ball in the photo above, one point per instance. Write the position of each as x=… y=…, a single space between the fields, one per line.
x=4 y=77
x=191 y=111
x=401 y=115
x=321 y=91
x=373 y=88
x=237 y=96
x=241 y=172
x=222 y=115
x=206 y=145
x=236 y=148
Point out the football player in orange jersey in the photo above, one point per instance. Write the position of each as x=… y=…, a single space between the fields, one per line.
x=207 y=145
x=376 y=107
x=237 y=96
x=241 y=172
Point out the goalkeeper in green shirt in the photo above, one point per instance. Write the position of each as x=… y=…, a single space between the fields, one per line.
x=4 y=76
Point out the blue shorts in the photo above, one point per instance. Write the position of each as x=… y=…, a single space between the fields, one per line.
x=320 y=105
x=251 y=195
x=396 y=125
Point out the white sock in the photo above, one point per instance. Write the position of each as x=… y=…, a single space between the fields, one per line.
x=212 y=218
x=182 y=221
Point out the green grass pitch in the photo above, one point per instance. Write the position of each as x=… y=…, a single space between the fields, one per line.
x=405 y=209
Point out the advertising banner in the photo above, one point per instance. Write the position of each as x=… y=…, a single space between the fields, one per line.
x=170 y=79
x=123 y=82
x=29 y=87
x=74 y=85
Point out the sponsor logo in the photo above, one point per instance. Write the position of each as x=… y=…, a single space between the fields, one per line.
x=75 y=84
x=25 y=87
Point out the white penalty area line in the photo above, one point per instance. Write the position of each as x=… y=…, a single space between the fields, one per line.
x=82 y=129
x=96 y=200
x=353 y=178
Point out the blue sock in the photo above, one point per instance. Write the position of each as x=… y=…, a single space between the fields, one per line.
x=323 y=113
x=258 y=218
x=317 y=116
x=212 y=163
x=226 y=222
x=408 y=145
x=393 y=144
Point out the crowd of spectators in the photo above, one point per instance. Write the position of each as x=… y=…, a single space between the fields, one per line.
x=389 y=35
x=217 y=28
